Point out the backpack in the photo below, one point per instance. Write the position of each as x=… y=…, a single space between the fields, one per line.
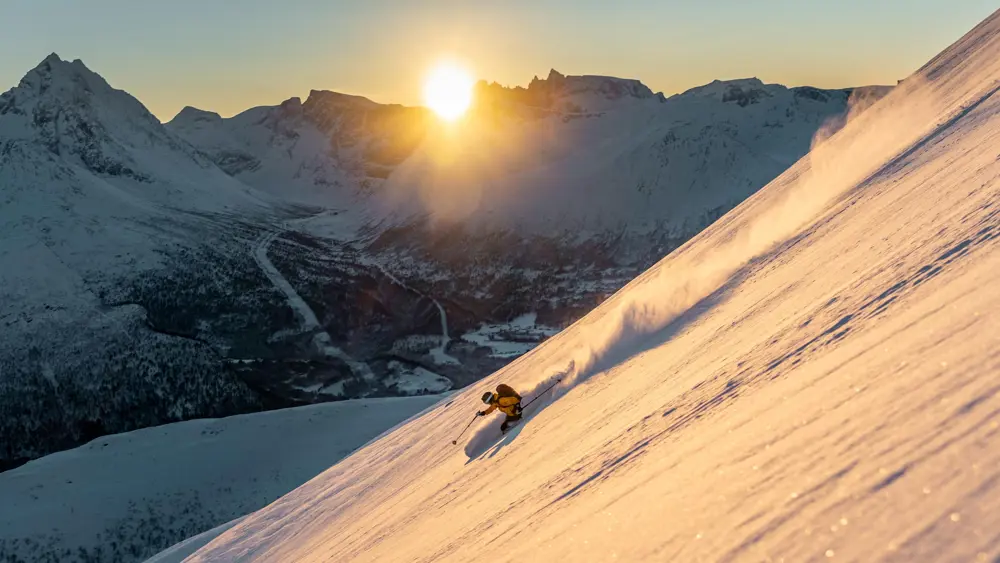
x=504 y=390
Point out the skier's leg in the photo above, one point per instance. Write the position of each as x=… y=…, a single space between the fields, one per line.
x=510 y=420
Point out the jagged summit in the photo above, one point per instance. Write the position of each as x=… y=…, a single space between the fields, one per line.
x=566 y=93
x=53 y=63
x=57 y=87
x=73 y=112
x=609 y=87
x=572 y=94
x=72 y=83
x=64 y=112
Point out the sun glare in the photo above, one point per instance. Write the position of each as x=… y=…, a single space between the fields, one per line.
x=448 y=91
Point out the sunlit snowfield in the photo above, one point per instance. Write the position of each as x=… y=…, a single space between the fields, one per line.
x=813 y=377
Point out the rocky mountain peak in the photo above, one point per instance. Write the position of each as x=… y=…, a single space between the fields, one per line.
x=74 y=112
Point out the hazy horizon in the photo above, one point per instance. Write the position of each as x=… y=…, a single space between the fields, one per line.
x=225 y=60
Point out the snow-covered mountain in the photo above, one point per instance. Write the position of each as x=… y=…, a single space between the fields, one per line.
x=602 y=158
x=566 y=94
x=128 y=496
x=565 y=153
x=321 y=152
x=634 y=162
x=100 y=204
x=66 y=117
x=813 y=377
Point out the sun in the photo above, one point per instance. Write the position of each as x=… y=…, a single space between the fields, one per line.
x=448 y=91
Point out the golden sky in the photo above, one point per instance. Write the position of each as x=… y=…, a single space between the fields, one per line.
x=227 y=57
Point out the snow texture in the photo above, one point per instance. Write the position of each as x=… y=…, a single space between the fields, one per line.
x=811 y=378
x=133 y=494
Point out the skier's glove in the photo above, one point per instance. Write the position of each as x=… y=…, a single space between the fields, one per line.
x=480 y=413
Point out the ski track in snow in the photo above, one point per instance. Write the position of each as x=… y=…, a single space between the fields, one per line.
x=812 y=378
x=322 y=341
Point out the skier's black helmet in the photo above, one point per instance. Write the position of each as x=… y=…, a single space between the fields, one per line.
x=487 y=397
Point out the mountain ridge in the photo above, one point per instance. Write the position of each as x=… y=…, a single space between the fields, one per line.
x=633 y=88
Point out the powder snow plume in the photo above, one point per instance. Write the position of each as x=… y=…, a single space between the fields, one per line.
x=845 y=153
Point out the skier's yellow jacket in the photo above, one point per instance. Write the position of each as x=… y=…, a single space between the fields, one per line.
x=505 y=400
x=506 y=405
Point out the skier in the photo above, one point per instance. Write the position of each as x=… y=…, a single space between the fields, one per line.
x=507 y=401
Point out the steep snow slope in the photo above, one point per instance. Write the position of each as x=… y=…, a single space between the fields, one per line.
x=813 y=377
x=127 y=496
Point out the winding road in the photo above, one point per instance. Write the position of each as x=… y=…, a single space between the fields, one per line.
x=321 y=341
x=439 y=354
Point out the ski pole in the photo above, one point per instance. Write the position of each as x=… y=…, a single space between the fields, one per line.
x=455 y=441
x=542 y=393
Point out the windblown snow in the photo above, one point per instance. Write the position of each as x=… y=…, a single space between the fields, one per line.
x=813 y=377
